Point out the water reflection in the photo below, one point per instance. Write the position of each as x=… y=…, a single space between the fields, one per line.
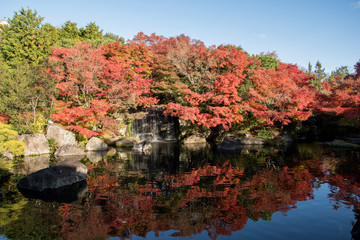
x=34 y=163
x=191 y=192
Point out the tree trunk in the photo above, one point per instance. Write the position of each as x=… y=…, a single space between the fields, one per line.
x=215 y=133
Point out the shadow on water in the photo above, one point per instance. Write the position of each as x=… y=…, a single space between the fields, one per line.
x=189 y=192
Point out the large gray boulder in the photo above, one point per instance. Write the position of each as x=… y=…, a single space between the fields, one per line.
x=95 y=144
x=35 y=144
x=69 y=150
x=62 y=137
x=57 y=175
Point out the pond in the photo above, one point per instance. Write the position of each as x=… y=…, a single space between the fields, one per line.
x=307 y=191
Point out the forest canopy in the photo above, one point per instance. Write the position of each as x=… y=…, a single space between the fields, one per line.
x=84 y=80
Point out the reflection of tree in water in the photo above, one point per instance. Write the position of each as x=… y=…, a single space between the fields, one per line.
x=215 y=198
x=219 y=197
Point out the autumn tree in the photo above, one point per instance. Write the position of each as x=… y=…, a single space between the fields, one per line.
x=280 y=96
x=79 y=78
x=209 y=78
x=163 y=72
x=207 y=91
x=342 y=96
x=128 y=75
x=94 y=83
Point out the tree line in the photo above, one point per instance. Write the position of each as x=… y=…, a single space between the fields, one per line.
x=84 y=80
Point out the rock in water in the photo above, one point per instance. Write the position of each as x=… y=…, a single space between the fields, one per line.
x=36 y=144
x=58 y=175
x=69 y=150
x=95 y=156
x=126 y=143
x=73 y=193
x=230 y=145
x=252 y=141
x=61 y=136
x=95 y=144
x=35 y=163
x=194 y=139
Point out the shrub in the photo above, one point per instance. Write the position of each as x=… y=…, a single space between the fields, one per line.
x=8 y=141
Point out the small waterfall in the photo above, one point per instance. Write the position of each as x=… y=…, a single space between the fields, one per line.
x=155 y=127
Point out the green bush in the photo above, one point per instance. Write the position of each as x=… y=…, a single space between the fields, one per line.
x=266 y=134
x=8 y=141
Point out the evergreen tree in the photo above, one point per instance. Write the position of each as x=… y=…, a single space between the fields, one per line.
x=26 y=39
x=69 y=31
x=91 y=31
x=309 y=70
x=319 y=72
x=342 y=71
x=268 y=60
x=114 y=37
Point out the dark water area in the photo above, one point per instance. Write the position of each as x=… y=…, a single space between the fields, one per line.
x=307 y=191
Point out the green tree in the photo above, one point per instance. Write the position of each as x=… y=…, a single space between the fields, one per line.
x=309 y=70
x=69 y=31
x=114 y=37
x=26 y=39
x=342 y=71
x=22 y=91
x=268 y=61
x=320 y=75
x=91 y=31
x=319 y=72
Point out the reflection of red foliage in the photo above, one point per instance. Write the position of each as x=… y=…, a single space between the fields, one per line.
x=218 y=199
x=345 y=190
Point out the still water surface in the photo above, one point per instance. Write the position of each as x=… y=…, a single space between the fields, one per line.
x=306 y=192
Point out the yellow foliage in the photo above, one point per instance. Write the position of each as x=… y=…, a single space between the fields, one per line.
x=8 y=141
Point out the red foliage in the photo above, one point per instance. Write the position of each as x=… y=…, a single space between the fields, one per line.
x=127 y=73
x=176 y=201
x=78 y=72
x=281 y=95
x=83 y=118
x=342 y=96
x=4 y=118
x=209 y=95
x=94 y=82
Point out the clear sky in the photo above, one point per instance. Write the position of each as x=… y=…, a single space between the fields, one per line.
x=299 y=31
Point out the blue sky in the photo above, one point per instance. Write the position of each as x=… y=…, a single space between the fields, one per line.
x=298 y=31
